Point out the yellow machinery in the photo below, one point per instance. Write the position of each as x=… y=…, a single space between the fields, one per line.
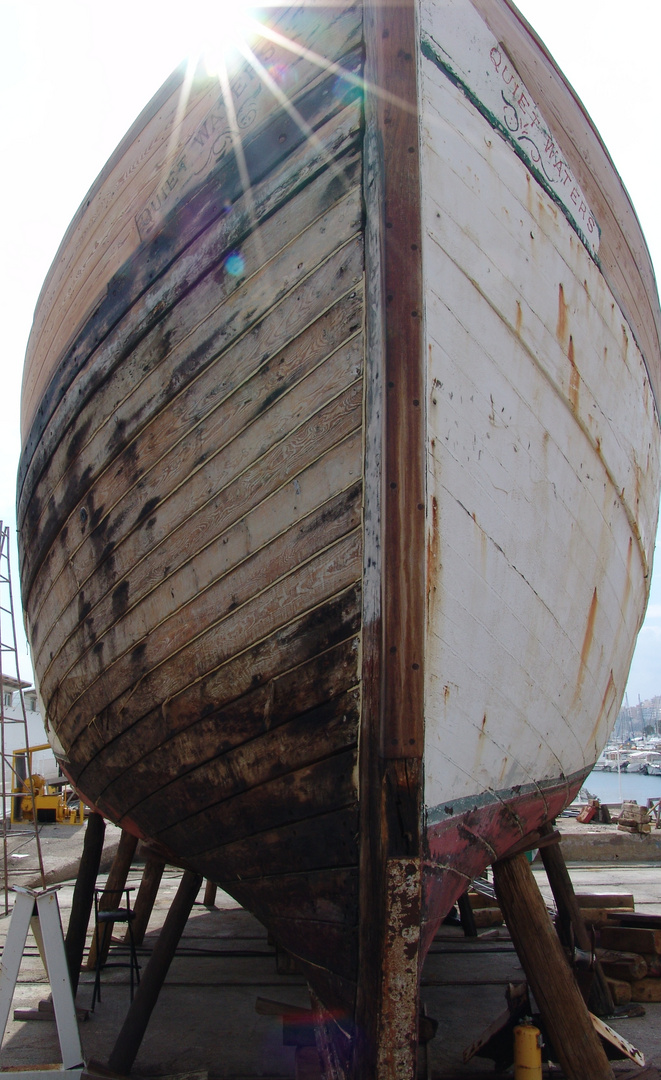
x=51 y=798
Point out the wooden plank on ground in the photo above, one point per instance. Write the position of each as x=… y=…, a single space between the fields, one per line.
x=631 y=939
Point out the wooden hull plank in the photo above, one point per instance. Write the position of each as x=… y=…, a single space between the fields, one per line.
x=212 y=519
x=262 y=152
x=324 y=841
x=325 y=575
x=122 y=415
x=185 y=740
x=295 y=254
x=327 y=896
x=283 y=769
x=319 y=638
x=168 y=606
x=291 y=503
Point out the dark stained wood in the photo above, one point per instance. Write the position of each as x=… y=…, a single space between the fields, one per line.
x=210 y=890
x=189 y=742
x=98 y=518
x=299 y=792
x=83 y=896
x=322 y=896
x=327 y=574
x=331 y=327
x=558 y=998
x=232 y=589
x=322 y=640
x=305 y=937
x=328 y=840
x=285 y=462
x=467 y=917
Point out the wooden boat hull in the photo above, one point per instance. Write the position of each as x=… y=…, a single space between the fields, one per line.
x=340 y=480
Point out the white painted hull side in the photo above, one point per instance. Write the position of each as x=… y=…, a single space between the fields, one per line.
x=542 y=456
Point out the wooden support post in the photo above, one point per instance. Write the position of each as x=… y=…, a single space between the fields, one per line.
x=83 y=896
x=210 y=890
x=601 y=1000
x=128 y=1041
x=466 y=916
x=119 y=871
x=145 y=900
x=563 y=1010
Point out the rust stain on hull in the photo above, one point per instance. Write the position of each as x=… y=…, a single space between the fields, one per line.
x=587 y=645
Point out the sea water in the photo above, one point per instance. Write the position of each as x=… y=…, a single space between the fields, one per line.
x=613 y=787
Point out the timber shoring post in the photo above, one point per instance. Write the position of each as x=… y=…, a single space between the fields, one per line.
x=210 y=890
x=119 y=871
x=466 y=916
x=601 y=1001
x=130 y=1037
x=83 y=896
x=145 y=900
x=565 y=1014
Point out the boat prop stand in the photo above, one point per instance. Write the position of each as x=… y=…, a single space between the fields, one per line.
x=562 y=1008
x=135 y=1024
x=570 y=917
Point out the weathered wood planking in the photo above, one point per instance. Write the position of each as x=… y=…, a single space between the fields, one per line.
x=328 y=573
x=106 y=234
x=159 y=638
x=260 y=794
x=292 y=261
x=290 y=502
x=316 y=637
x=208 y=537
x=311 y=896
x=319 y=843
x=148 y=388
x=215 y=515
x=146 y=616
x=189 y=742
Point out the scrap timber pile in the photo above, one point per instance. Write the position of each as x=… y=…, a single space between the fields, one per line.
x=628 y=946
x=634 y=818
x=630 y=954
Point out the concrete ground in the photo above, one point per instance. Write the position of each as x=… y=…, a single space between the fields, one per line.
x=206 y=1020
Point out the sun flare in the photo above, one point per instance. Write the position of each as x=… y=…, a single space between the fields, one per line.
x=221 y=29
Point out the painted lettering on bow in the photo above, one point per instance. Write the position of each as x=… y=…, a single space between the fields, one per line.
x=211 y=141
x=525 y=126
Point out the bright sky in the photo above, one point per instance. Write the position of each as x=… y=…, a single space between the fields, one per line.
x=74 y=74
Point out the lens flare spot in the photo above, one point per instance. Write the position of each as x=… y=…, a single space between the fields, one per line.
x=346 y=89
x=235 y=264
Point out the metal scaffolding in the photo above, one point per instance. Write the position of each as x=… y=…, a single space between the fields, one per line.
x=9 y=651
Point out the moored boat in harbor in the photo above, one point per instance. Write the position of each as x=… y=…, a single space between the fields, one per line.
x=340 y=479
